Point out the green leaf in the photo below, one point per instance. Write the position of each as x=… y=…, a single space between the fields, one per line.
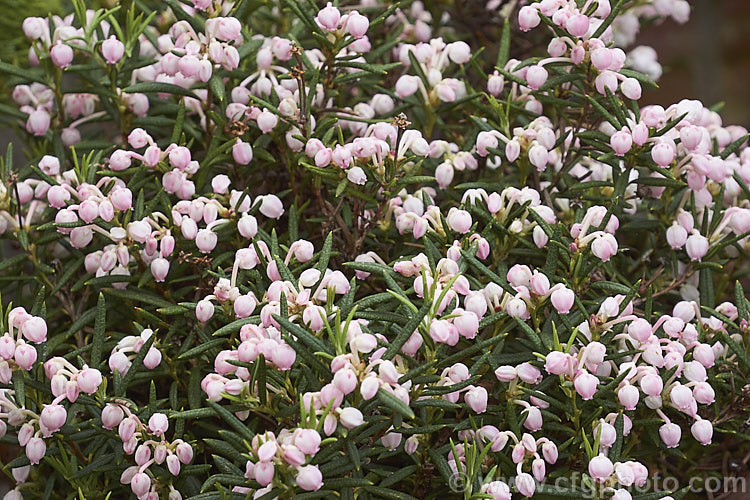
x=302 y=334
x=325 y=255
x=160 y=87
x=740 y=301
x=233 y=421
x=394 y=347
x=608 y=20
x=178 y=123
x=216 y=85
x=27 y=74
x=732 y=148
x=99 y=325
x=706 y=287
x=736 y=348
x=387 y=493
x=201 y=348
x=138 y=361
x=395 y=404
x=503 y=54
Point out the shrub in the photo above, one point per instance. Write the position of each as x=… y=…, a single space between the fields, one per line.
x=279 y=250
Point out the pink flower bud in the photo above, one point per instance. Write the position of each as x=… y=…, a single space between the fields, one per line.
x=601 y=468
x=158 y=424
x=351 y=418
x=585 y=385
x=267 y=121
x=676 y=236
x=702 y=431
x=459 y=220
x=189 y=66
x=89 y=380
x=50 y=165
x=307 y=440
x=139 y=231
x=152 y=358
x=476 y=398
x=495 y=84
x=528 y=18
x=184 y=453
x=7 y=347
x=604 y=247
x=621 y=142
x=180 y=157
x=204 y=310
x=25 y=433
x=35 y=28
x=53 y=417
x=539 y=156
x=506 y=373
x=283 y=356
x=549 y=452
x=525 y=484
x=61 y=54
x=529 y=373
x=534 y=420
x=140 y=484
x=271 y=206
x=563 y=299
x=309 y=477
x=35 y=330
x=670 y=434
x=357 y=24
x=35 y=450
x=663 y=154
x=696 y=246
x=512 y=150
x=228 y=28
x=486 y=140
x=704 y=393
x=112 y=415
x=25 y=356
x=328 y=18
x=601 y=58
x=112 y=50
x=122 y=198
x=142 y=454
x=640 y=134
x=206 y=240
x=607 y=80
x=690 y=137
x=631 y=88
x=120 y=362
x=341 y=156
x=652 y=385
x=577 y=25
x=704 y=355
x=159 y=269
x=536 y=76
x=557 y=363
x=345 y=380
x=38 y=122
x=369 y=388
x=628 y=396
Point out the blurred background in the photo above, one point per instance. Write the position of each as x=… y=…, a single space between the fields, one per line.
x=708 y=58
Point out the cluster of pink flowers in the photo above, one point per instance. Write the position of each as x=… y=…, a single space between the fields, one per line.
x=334 y=255
x=148 y=445
x=290 y=450
x=14 y=349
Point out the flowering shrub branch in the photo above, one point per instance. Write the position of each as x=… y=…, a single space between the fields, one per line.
x=280 y=250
